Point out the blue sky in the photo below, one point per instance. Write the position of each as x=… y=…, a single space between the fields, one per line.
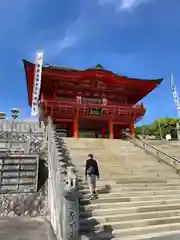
x=137 y=38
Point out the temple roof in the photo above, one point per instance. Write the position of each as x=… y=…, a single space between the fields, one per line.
x=143 y=86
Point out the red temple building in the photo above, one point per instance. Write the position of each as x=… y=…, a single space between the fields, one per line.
x=94 y=99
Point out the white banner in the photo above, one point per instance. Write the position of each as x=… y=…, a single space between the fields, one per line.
x=37 y=83
x=175 y=95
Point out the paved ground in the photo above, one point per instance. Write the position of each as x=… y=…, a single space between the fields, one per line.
x=21 y=228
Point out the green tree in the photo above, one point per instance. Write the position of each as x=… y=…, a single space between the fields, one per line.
x=167 y=125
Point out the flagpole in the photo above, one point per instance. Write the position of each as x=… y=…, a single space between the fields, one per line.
x=160 y=132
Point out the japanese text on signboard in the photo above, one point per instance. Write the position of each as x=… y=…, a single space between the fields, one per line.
x=37 y=83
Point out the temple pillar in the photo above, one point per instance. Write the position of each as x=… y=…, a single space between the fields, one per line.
x=52 y=112
x=76 y=125
x=111 y=129
x=131 y=128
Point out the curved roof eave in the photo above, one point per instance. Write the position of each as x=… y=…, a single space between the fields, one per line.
x=73 y=70
x=149 y=85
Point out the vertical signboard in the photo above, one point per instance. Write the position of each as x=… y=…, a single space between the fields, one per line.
x=37 y=83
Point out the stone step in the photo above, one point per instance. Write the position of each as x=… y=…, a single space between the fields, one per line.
x=128 y=210
x=136 y=193
x=142 y=180
x=132 y=185
x=129 y=217
x=90 y=206
x=109 y=233
x=134 y=199
x=118 y=194
x=113 y=186
x=169 y=235
x=133 y=180
x=126 y=188
x=130 y=170
x=129 y=224
x=139 y=178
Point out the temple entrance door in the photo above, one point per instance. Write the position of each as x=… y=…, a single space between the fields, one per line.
x=64 y=129
x=118 y=130
x=92 y=128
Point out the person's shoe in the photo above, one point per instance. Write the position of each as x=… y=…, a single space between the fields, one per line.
x=92 y=197
x=96 y=195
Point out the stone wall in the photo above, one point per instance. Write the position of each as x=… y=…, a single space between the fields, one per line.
x=25 y=204
x=18 y=173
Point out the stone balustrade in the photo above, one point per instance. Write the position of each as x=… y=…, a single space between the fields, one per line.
x=63 y=202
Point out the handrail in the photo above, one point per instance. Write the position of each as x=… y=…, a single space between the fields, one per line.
x=175 y=160
x=52 y=186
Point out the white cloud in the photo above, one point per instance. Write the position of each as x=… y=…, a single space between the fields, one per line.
x=123 y=4
x=67 y=42
x=129 y=4
x=52 y=48
x=70 y=39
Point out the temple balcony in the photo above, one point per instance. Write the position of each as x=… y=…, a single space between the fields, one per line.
x=65 y=109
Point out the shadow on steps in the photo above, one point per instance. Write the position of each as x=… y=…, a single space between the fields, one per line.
x=42 y=173
x=90 y=228
x=64 y=152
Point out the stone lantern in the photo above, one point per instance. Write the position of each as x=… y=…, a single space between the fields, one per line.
x=15 y=113
x=2 y=115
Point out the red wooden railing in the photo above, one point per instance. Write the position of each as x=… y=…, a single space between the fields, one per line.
x=64 y=109
x=73 y=104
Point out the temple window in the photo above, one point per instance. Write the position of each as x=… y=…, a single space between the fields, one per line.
x=89 y=100
x=113 y=101
x=64 y=98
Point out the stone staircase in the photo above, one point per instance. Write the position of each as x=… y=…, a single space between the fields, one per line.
x=139 y=198
x=169 y=147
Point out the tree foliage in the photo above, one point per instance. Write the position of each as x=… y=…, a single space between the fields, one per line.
x=165 y=125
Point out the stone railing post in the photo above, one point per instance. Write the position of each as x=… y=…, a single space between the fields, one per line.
x=71 y=207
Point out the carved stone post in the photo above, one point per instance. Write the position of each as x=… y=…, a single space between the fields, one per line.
x=71 y=207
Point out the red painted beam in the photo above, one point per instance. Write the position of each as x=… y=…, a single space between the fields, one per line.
x=75 y=87
x=121 y=122
x=74 y=104
x=88 y=74
x=56 y=118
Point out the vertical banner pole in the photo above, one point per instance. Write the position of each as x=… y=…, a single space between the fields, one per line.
x=177 y=104
x=175 y=95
